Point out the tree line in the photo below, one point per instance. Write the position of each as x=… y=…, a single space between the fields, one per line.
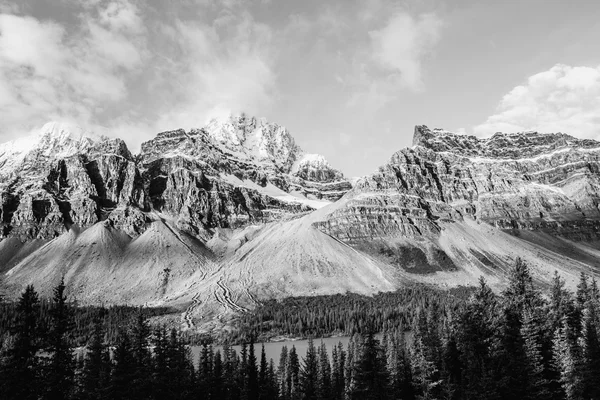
x=519 y=344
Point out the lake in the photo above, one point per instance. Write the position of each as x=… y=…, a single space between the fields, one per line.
x=273 y=349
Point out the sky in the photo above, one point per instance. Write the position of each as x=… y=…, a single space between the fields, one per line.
x=349 y=79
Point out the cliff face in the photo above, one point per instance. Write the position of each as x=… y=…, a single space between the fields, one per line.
x=210 y=220
x=231 y=173
x=62 y=177
x=519 y=182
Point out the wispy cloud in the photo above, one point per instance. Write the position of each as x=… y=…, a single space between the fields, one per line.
x=392 y=60
x=46 y=73
x=562 y=99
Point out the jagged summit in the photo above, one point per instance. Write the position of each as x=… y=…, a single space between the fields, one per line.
x=216 y=218
x=500 y=145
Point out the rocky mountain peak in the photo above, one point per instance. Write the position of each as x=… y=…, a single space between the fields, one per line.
x=254 y=137
x=501 y=145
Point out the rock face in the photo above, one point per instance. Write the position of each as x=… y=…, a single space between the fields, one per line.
x=64 y=176
x=214 y=219
x=526 y=181
x=233 y=172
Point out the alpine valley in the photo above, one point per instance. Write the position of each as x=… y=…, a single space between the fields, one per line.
x=211 y=221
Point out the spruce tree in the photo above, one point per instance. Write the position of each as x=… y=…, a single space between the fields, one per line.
x=123 y=371
x=20 y=371
x=264 y=383
x=568 y=361
x=371 y=380
x=141 y=384
x=324 y=374
x=95 y=377
x=252 y=372
x=293 y=374
x=282 y=374
x=309 y=373
x=60 y=367
x=533 y=336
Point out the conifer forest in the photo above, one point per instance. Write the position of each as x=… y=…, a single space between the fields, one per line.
x=417 y=343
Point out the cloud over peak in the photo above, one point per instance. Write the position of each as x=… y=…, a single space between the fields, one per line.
x=562 y=99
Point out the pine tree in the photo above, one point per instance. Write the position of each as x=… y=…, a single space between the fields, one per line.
x=531 y=331
x=160 y=373
x=425 y=371
x=205 y=371
x=324 y=374
x=19 y=373
x=263 y=376
x=231 y=386
x=371 y=380
x=478 y=341
x=310 y=372
x=282 y=373
x=293 y=374
x=568 y=361
x=96 y=368
x=337 y=374
x=61 y=363
x=124 y=368
x=590 y=351
x=252 y=373
x=217 y=385
x=141 y=383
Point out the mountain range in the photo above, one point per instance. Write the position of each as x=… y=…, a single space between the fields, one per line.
x=213 y=220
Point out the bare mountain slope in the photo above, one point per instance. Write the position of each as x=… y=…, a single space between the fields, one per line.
x=213 y=220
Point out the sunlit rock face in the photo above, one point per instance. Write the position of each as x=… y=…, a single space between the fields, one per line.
x=63 y=176
x=235 y=171
x=522 y=181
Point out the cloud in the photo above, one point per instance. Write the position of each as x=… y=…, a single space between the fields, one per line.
x=120 y=71
x=227 y=68
x=392 y=59
x=562 y=99
x=400 y=46
x=46 y=73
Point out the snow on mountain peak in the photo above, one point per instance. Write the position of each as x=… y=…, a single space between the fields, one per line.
x=254 y=137
x=53 y=140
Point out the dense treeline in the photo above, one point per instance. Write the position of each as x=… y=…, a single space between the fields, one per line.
x=516 y=345
x=84 y=318
x=345 y=314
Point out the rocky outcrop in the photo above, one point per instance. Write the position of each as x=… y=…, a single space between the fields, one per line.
x=532 y=181
x=62 y=177
x=233 y=172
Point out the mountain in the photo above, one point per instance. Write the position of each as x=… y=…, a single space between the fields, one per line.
x=212 y=220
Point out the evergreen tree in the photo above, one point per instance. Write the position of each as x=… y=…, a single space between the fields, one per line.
x=263 y=376
x=231 y=386
x=60 y=369
x=324 y=374
x=293 y=374
x=371 y=380
x=337 y=373
x=425 y=371
x=531 y=331
x=217 y=385
x=478 y=341
x=282 y=373
x=310 y=373
x=95 y=377
x=124 y=368
x=568 y=361
x=160 y=373
x=19 y=372
x=252 y=373
x=590 y=351
x=141 y=383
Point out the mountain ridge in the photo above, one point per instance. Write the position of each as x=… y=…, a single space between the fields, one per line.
x=212 y=227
